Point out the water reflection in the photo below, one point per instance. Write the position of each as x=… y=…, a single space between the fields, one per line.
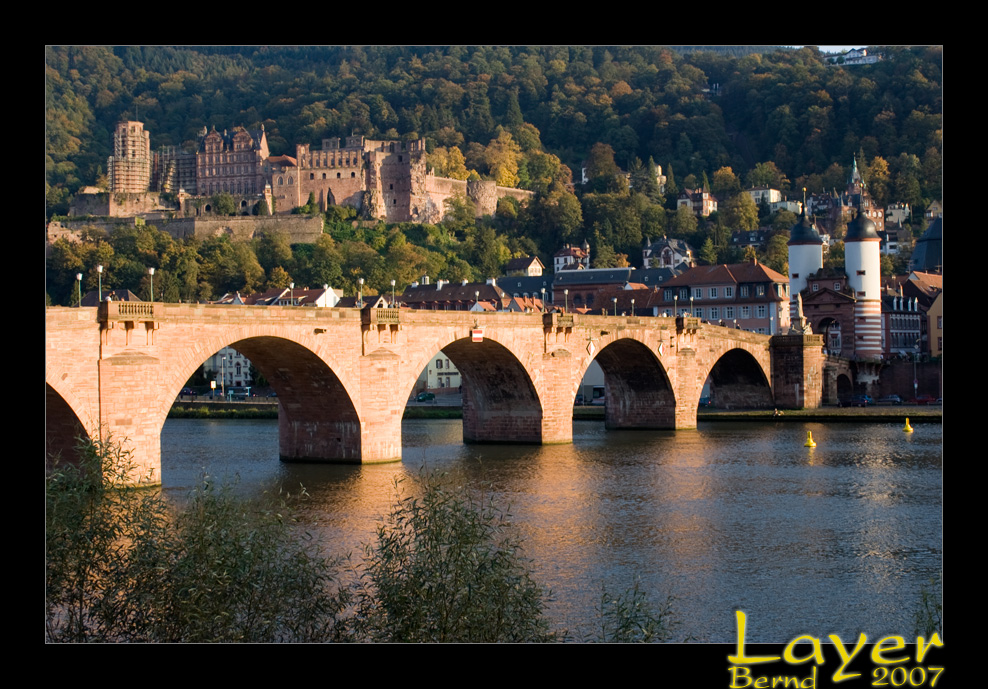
x=834 y=539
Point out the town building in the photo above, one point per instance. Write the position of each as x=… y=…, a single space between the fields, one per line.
x=749 y=296
x=577 y=290
x=667 y=253
x=529 y=266
x=766 y=195
x=572 y=257
x=700 y=201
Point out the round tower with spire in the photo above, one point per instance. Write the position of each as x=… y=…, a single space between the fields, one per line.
x=862 y=263
x=805 y=258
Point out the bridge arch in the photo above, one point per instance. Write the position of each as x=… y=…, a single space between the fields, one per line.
x=63 y=427
x=738 y=380
x=637 y=388
x=501 y=403
x=317 y=416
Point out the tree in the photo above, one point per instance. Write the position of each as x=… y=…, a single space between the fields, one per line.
x=223 y=204
x=725 y=183
x=741 y=213
x=445 y=569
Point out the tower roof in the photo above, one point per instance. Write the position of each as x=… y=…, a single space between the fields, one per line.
x=861 y=228
x=804 y=232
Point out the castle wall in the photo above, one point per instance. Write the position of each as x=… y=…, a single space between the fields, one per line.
x=301 y=229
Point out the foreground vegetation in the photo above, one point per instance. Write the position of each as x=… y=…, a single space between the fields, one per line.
x=123 y=565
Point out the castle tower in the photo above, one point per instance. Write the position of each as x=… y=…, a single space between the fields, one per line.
x=129 y=168
x=805 y=258
x=862 y=263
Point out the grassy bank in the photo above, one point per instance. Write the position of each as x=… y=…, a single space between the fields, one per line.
x=223 y=410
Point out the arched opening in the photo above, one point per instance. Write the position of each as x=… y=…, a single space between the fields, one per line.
x=831 y=330
x=637 y=393
x=499 y=401
x=317 y=421
x=63 y=429
x=737 y=381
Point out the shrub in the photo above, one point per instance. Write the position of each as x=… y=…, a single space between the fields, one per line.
x=121 y=565
x=445 y=568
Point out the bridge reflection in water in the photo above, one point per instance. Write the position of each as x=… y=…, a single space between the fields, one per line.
x=837 y=539
x=343 y=376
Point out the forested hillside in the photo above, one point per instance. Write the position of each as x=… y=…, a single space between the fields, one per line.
x=531 y=117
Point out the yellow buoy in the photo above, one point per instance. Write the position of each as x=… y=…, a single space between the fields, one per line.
x=809 y=440
x=908 y=428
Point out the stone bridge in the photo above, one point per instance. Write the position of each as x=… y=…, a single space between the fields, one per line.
x=343 y=376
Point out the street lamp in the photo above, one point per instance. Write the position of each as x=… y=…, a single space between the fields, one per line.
x=291 y=294
x=223 y=377
x=99 y=293
x=78 y=287
x=151 y=275
x=360 y=293
x=543 y=300
x=392 y=294
x=615 y=305
x=632 y=307
x=675 y=306
x=566 y=297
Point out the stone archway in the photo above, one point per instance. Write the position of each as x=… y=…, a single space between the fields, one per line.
x=500 y=402
x=737 y=381
x=637 y=390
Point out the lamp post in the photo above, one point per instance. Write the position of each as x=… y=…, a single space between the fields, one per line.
x=392 y=294
x=78 y=287
x=615 y=305
x=543 y=300
x=632 y=307
x=223 y=377
x=675 y=306
x=151 y=275
x=360 y=293
x=566 y=297
x=915 y=375
x=291 y=294
x=99 y=293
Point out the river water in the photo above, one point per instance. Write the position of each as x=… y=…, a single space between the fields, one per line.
x=836 y=539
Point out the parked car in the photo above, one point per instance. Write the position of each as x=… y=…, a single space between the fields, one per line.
x=579 y=400
x=704 y=402
x=923 y=399
x=890 y=399
x=860 y=401
x=425 y=397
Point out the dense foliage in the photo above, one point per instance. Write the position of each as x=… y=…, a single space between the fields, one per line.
x=125 y=565
x=532 y=117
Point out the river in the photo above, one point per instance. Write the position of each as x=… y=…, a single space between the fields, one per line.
x=836 y=539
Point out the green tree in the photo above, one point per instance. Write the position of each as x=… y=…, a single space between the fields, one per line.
x=741 y=213
x=444 y=568
x=223 y=204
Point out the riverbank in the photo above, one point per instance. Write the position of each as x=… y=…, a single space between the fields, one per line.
x=916 y=414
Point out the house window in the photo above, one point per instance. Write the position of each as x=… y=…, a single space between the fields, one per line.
x=667 y=295
x=762 y=313
x=745 y=312
x=744 y=290
x=714 y=313
x=836 y=287
x=439 y=363
x=713 y=292
x=698 y=312
x=729 y=292
x=698 y=293
x=729 y=312
x=760 y=290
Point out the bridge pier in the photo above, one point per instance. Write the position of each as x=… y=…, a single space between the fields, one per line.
x=798 y=376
